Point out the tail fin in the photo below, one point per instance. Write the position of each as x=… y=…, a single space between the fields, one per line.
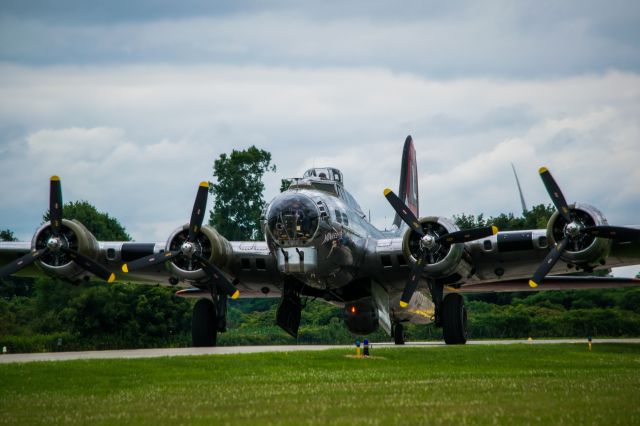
x=408 y=191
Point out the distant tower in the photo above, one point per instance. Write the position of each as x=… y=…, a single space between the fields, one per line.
x=524 y=205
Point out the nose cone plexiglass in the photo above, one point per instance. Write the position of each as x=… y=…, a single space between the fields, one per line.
x=292 y=219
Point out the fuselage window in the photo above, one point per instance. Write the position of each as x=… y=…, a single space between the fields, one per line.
x=342 y=217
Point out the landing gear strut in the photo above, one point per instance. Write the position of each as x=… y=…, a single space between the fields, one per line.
x=436 y=295
x=398 y=333
x=454 y=320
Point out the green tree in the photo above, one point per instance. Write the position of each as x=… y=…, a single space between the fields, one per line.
x=536 y=218
x=238 y=192
x=7 y=235
x=101 y=225
x=284 y=184
x=465 y=221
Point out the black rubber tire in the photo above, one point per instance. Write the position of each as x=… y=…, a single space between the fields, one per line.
x=454 y=320
x=398 y=334
x=203 y=324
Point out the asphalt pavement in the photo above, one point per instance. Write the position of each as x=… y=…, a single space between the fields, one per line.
x=228 y=350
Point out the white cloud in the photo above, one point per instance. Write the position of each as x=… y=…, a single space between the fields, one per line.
x=136 y=140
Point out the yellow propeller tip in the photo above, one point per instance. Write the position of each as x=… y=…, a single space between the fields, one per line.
x=494 y=229
x=386 y=191
x=125 y=268
x=236 y=294
x=403 y=304
x=112 y=278
x=533 y=284
x=54 y=177
x=204 y=184
x=543 y=170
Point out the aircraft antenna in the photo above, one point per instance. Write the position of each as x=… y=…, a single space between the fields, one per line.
x=524 y=205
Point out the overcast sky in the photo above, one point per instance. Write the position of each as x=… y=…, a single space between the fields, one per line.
x=130 y=102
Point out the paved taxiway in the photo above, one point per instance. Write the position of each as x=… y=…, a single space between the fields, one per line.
x=222 y=350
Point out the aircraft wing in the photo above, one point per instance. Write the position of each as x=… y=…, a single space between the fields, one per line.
x=255 y=267
x=504 y=262
x=563 y=282
x=13 y=249
x=250 y=263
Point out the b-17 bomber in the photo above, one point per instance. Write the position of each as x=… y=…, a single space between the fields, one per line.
x=319 y=243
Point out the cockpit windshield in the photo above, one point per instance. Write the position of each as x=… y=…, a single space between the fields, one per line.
x=293 y=219
x=324 y=173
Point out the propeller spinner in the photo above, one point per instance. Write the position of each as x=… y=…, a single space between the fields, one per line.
x=188 y=248
x=56 y=243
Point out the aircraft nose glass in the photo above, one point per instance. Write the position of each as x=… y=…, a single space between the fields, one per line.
x=293 y=219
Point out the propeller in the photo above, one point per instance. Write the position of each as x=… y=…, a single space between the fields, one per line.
x=430 y=242
x=189 y=249
x=56 y=243
x=573 y=230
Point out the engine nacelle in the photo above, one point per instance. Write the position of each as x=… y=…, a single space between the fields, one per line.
x=75 y=236
x=442 y=260
x=583 y=250
x=209 y=244
x=361 y=317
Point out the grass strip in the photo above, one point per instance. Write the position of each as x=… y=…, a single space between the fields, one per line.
x=514 y=384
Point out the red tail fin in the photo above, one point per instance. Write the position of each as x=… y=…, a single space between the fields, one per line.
x=408 y=191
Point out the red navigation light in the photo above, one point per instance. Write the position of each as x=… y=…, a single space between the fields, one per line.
x=353 y=309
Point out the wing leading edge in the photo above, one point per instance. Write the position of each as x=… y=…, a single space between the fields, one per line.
x=563 y=282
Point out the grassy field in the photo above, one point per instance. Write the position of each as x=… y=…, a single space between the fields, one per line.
x=543 y=384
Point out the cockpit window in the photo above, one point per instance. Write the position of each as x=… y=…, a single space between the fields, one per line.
x=293 y=219
x=324 y=173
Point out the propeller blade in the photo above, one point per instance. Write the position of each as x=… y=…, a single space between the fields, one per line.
x=403 y=211
x=55 y=206
x=548 y=263
x=221 y=282
x=199 y=207
x=412 y=284
x=613 y=232
x=150 y=260
x=90 y=265
x=468 y=235
x=554 y=191
x=22 y=262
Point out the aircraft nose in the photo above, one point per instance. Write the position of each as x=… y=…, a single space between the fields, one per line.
x=293 y=219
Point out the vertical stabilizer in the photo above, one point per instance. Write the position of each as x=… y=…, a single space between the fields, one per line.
x=524 y=205
x=408 y=191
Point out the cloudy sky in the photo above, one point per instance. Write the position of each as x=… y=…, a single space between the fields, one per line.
x=131 y=102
